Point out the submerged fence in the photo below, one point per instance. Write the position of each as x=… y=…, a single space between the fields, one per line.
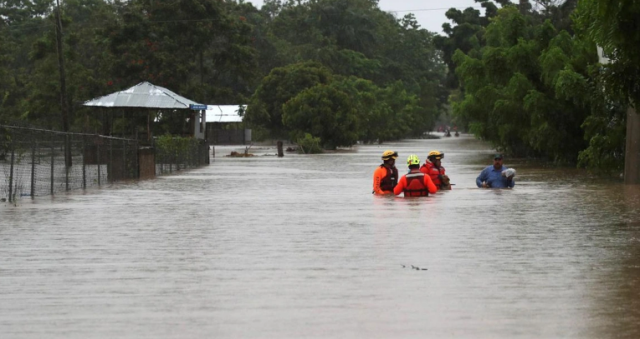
x=32 y=161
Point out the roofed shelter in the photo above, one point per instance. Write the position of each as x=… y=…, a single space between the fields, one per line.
x=147 y=96
x=224 y=125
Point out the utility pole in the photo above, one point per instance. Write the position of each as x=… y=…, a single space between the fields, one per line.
x=63 y=87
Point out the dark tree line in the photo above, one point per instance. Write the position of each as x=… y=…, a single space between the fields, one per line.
x=523 y=75
x=227 y=52
x=526 y=77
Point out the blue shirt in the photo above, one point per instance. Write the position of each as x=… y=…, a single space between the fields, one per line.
x=494 y=178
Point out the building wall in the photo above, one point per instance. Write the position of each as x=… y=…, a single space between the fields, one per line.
x=199 y=125
x=632 y=149
x=218 y=136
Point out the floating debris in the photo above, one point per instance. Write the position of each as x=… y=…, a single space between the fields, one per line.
x=239 y=155
x=415 y=268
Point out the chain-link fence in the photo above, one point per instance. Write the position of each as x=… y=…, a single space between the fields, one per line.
x=175 y=154
x=32 y=161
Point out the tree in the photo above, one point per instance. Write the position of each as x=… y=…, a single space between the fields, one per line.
x=613 y=25
x=276 y=89
x=192 y=47
x=527 y=91
x=465 y=35
x=373 y=117
x=325 y=112
x=21 y=24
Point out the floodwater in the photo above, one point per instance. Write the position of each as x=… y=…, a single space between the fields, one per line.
x=298 y=247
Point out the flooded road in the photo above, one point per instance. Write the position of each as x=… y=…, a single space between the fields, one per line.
x=297 y=247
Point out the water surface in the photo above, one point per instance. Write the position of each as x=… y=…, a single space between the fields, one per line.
x=293 y=247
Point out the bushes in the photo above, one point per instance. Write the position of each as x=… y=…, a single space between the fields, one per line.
x=309 y=144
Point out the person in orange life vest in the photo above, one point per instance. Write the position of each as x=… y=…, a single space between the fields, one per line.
x=433 y=168
x=385 y=176
x=415 y=183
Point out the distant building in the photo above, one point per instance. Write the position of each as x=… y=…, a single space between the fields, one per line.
x=602 y=57
x=224 y=125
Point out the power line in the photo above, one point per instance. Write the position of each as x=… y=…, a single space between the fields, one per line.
x=27 y=26
x=432 y=9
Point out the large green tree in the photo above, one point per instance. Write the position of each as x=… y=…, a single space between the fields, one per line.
x=323 y=111
x=21 y=23
x=276 y=89
x=615 y=25
x=194 y=47
x=527 y=89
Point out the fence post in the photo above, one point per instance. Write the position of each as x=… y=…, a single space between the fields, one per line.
x=33 y=168
x=280 y=152
x=136 y=174
x=124 y=158
x=53 y=138
x=110 y=164
x=13 y=156
x=84 y=162
x=98 y=161
x=67 y=160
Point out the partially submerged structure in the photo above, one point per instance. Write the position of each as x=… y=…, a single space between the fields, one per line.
x=146 y=103
x=146 y=99
x=224 y=125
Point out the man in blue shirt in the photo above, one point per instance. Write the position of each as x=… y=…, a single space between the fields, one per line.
x=491 y=177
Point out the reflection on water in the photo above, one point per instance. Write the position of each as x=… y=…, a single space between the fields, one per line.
x=265 y=247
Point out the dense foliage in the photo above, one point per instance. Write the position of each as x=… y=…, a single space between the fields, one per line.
x=225 y=52
x=523 y=75
x=381 y=76
x=529 y=81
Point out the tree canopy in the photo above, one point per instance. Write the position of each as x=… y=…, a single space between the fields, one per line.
x=523 y=75
x=530 y=82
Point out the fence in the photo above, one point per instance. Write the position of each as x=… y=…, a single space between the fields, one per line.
x=32 y=161
x=175 y=154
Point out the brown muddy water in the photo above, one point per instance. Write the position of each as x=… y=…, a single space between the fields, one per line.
x=297 y=247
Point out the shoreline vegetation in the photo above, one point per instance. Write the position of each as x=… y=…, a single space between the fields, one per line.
x=327 y=74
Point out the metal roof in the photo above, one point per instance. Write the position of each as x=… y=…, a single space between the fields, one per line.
x=144 y=95
x=224 y=113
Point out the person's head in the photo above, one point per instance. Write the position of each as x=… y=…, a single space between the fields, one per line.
x=435 y=157
x=497 y=160
x=389 y=157
x=413 y=161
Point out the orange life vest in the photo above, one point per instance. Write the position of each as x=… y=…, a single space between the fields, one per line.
x=434 y=173
x=415 y=185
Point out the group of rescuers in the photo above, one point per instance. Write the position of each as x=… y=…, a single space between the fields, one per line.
x=430 y=177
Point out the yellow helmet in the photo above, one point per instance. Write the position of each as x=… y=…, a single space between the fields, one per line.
x=413 y=160
x=435 y=155
x=387 y=155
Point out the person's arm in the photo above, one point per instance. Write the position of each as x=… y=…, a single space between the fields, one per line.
x=402 y=183
x=430 y=185
x=377 y=178
x=482 y=177
x=510 y=182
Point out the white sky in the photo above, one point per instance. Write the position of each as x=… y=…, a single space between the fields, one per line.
x=429 y=13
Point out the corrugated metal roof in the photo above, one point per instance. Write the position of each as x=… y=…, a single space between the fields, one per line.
x=224 y=113
x=145 y=95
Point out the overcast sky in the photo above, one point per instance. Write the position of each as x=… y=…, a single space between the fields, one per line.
x=430 y=13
